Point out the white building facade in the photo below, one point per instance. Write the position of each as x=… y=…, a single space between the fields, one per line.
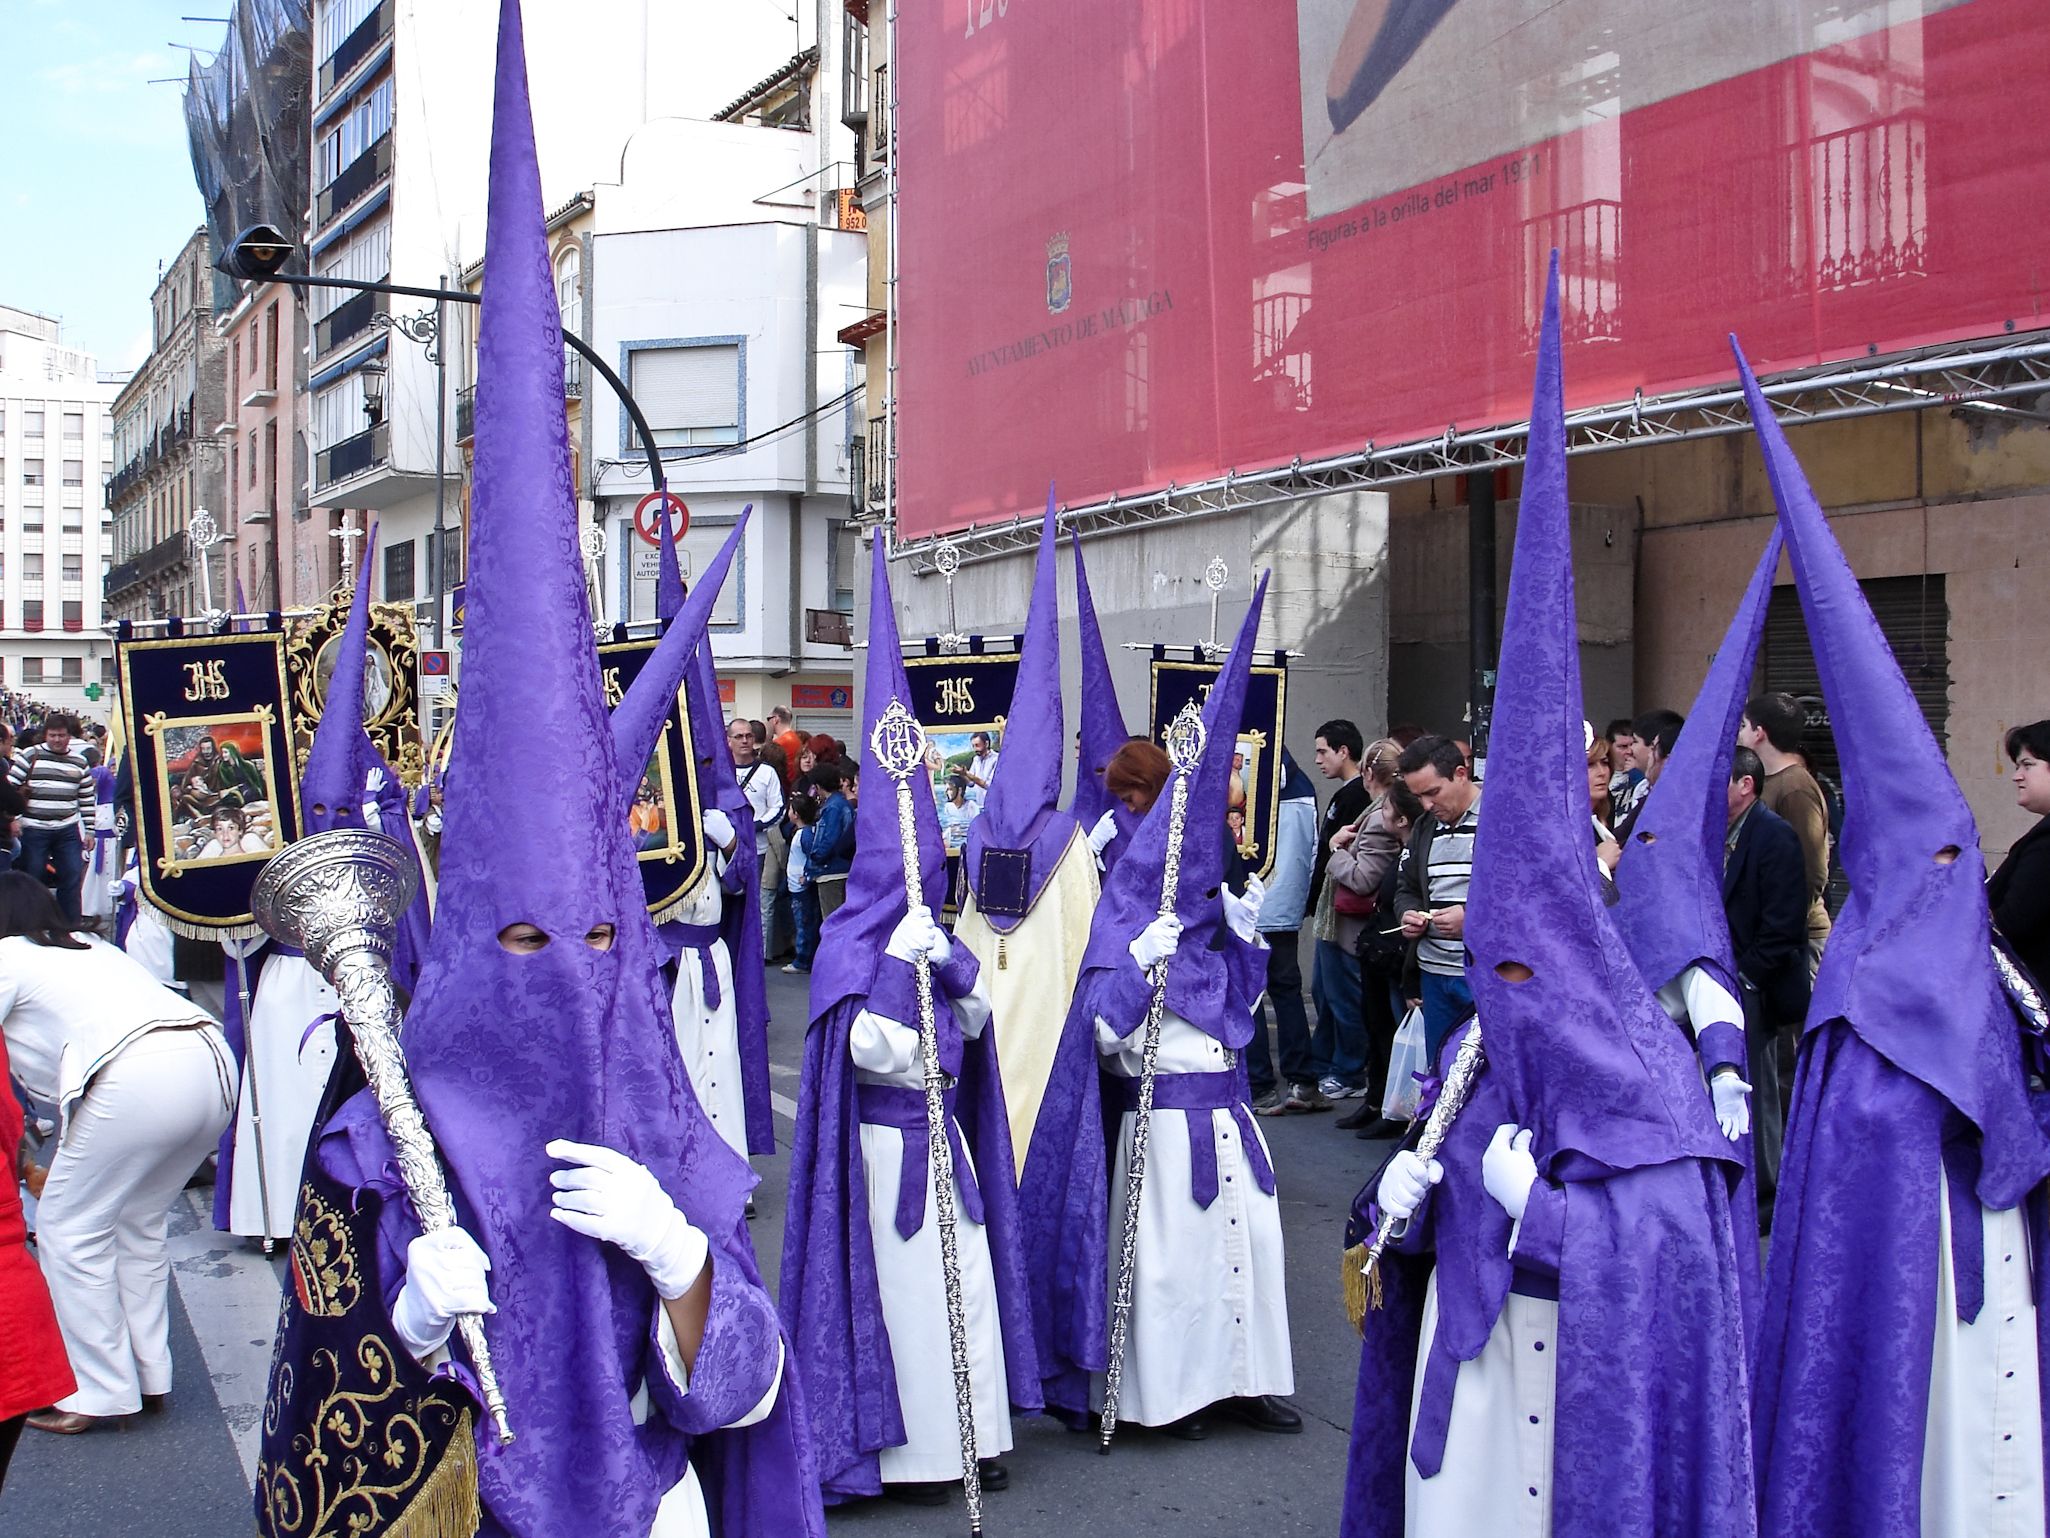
x=56 y=452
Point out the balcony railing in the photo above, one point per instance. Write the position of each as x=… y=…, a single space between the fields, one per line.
x=351 y=318
x=857 y=474
x=355 y=48
x=466 y=413
x=352 y=456
x=1870 y=185
x=875 y=467
x=1589 y=239
x=573 y=378
x=358 y=177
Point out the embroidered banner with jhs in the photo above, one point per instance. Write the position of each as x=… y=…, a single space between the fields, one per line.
x=216 y=788
x=962 y=699
x=665 y=816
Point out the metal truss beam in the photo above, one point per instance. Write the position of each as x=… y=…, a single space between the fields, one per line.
x=1975 y=376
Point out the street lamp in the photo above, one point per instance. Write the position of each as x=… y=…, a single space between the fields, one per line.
x=259 y=255
x=372 y=375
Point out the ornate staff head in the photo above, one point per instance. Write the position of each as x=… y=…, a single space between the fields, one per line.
x=898 y=742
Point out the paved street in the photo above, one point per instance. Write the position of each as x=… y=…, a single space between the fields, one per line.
x=186 y=1474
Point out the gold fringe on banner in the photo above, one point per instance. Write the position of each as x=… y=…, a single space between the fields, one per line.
x=447 y=1505
x=192 y=931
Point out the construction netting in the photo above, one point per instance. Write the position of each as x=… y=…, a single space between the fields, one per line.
x=246 y=113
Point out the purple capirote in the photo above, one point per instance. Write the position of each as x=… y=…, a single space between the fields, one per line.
x=1650 y=1430
x=829 y=1298
x=1913 y=1070
x=508 y=1051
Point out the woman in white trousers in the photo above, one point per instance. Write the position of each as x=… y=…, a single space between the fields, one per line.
x=144 y=1085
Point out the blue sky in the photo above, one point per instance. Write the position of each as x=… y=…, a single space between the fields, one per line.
x=97 y=185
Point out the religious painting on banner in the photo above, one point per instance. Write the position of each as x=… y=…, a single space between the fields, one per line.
x=391 y=687
x=961 y=699
x=664 y=814
x=1256 y=755
x=209 y=721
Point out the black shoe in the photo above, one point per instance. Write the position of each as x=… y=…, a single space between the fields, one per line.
x=1382 y=1130
x=1190 y=1428
x=994 y=1475
x=155 y=1404
x=1360 y=1115
x=1264 y=1412
x=920 y=1492
x=750 y=1209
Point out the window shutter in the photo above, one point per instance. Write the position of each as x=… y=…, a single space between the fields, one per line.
x=686 y=387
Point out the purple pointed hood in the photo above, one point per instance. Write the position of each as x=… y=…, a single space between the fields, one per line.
x=669 y=573
x=1103 y=723
x=1909 y=964
x=637 y=723
x=1592 y=1062
x=1670 y=881
x=852 y=941
x=1022 y=810
x=1200 y=977
x=508 y=1051
x=342 y=756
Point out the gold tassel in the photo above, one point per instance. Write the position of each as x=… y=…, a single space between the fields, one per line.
x=446 y=1506
x=1003 y=956
x=1357 y=1287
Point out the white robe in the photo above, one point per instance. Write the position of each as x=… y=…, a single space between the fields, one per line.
x=1209 y=1298
x=1496 y=1477
x=1982 y=1454
x=95 y=892
x=1030 y=974
x=286 y=1081
x=709 y=1038
x=149 y=940
x=914 y=1300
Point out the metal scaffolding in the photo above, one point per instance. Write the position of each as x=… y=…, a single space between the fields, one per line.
x=1979 y=375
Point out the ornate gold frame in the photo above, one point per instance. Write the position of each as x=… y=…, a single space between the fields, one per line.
x=396 y=728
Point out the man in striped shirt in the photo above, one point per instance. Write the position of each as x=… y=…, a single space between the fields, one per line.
x=58 y=783
x=1437 y=866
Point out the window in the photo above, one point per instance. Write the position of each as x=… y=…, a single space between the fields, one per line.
x=74 y=568
x=107 y=671
x=270 y=347
x=569 y=288
x=270 y=456
x=360 y=127
x=234 y=360
x=691 y=395
x=71 y=670
x=74 y=426
x=398 y=571
x=846 y=557
x=32 y=567
x=32 y=614
x=74 y=472
x=253 y=461
x=32 y=667
x=32 y=469
x=32 y=422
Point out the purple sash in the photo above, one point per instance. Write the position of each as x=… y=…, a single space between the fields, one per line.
x=891 y=1105
x=1206 y=1092
x=700 y=938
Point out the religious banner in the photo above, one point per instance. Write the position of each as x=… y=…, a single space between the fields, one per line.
x=664 y=817
x=1256 y=756
x=391 y=691
x=209 y=723
x=961 y=699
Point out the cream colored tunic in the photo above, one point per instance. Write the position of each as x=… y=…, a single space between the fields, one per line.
x=1030 y=976
x=708 y=1036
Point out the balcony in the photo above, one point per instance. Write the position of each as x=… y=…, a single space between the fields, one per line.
x=466 y=413
x=355 y=48
x=153 y=562
x=875 y=466
x=573 y=378
x=857 y=474
x=346 y=321
x=358 y=177
x=352 y=456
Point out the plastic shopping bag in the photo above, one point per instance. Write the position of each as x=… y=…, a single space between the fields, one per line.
x=1405 y=1061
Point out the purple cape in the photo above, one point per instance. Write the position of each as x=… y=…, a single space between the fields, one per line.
x=1913 y=1068
x=1649 y=1433
x=1215 y=977
x=829 y=1300
x=1022 y=810
x=1103 y=724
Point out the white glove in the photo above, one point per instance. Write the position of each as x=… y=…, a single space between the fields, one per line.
x=1732 y=1104
x=917 y=935
x=1157 y=941
x=432 y=822
x=445 y=1274
x=1508 y=1170
x=1243 y=913
x=1405 y=1182
x=1105 y=830
x=608 y=1196
x=718 y=828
